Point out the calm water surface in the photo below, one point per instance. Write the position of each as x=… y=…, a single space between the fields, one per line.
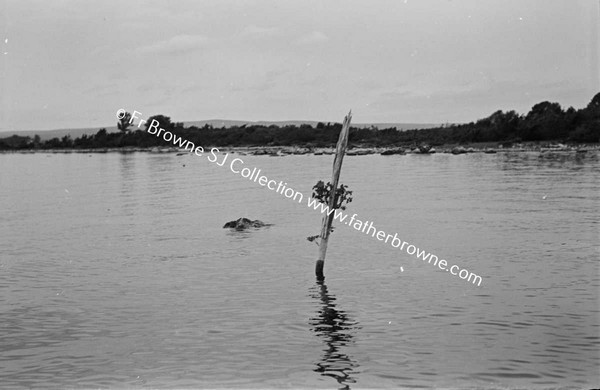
x=115 y=272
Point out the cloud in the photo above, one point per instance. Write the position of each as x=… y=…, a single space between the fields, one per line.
x=315 y=37
x=179 y=43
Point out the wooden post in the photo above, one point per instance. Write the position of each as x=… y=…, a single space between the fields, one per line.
x=328 y=219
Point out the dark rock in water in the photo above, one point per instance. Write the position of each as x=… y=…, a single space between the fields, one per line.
x=424 y=149
x=390 y=152
x=244 y=223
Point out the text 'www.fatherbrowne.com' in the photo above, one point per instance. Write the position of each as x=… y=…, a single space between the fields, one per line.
x=236 y=165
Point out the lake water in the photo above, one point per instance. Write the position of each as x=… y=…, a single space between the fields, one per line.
x=115 y=272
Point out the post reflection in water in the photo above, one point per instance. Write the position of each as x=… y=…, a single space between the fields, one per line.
x=335 y=328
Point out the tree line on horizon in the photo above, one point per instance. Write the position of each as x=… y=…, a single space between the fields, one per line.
x=546 y=121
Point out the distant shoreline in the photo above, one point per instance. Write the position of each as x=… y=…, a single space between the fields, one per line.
x=546 y=126
x=274 y=151
x=216 y=123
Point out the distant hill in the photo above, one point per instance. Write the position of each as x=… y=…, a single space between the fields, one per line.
x=217 y=123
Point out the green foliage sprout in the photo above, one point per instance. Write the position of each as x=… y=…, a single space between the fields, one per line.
x=323 y=192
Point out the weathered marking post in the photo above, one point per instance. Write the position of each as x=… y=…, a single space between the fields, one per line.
x=328 y=219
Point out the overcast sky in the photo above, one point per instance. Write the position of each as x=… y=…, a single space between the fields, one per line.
x=74 y=63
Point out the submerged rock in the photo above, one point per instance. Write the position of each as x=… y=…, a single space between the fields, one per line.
x=390 y=152
x=244 y=223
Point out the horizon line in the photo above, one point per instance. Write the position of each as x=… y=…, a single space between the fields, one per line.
x=238 y=120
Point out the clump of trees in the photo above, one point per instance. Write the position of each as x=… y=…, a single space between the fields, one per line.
x=546 y=121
